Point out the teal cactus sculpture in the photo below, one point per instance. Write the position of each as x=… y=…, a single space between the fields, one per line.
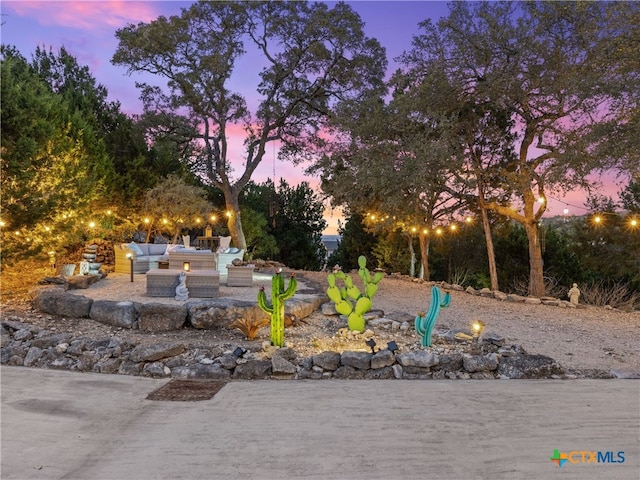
x=349 y=300
x=425 y=323
x=275 y=308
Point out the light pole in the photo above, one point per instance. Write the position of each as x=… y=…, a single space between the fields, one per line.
x=130 y=257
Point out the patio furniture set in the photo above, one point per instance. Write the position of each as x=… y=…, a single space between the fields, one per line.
x=164 y=263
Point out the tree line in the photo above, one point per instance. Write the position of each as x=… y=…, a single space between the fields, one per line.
x=492 y=108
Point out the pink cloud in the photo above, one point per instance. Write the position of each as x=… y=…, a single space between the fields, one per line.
x=85 y=15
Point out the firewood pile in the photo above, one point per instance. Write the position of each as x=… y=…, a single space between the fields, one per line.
x=103 y=250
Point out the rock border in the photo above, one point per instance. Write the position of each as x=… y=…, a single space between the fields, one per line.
x=30 y=346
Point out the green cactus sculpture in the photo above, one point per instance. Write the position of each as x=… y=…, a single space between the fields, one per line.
x=349 y=300
x=275 y=308
x=425 y=323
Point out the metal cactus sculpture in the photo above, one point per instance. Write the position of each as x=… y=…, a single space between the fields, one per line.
x=275 y=308
x=349 y=300
x=425 y=323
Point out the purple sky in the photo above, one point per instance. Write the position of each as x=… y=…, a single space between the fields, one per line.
x=87 y=30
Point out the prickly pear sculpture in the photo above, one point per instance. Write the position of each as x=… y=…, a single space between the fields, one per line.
x=275 y=308
x=349 y=300
x=425 y=323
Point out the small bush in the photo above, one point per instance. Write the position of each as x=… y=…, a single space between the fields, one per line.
x=614 y=294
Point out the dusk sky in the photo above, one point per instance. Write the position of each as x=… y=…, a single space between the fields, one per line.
x=87 y=30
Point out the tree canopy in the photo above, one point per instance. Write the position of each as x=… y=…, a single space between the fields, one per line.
x=315 y=57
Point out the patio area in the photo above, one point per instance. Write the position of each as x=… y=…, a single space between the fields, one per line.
x=118 y=286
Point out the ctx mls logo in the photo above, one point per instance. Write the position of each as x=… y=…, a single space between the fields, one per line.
x=586 y=456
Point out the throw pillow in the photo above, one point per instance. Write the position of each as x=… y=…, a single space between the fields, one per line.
x=135 y=248
x=233 y=250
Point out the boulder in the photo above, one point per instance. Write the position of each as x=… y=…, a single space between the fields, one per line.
x=82 y=281
x=58 y=302
x=328 y=361
x=207 y=314
x=111 y=312
x=480 y=363
x=160 y=317
x=357 y=360
x=419 y=358
x=383 y=358
x=282 y=367
x=528 y=366
x=253 y=369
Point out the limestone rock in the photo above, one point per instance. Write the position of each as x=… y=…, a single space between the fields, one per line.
x=156 y=370
x=450 y=362
x=480 y=363
x=82 y=281
x=46 y=339
x=383 y=373
x=358 y=360
x=58 y=302
x=528 y=366
x=512 y=297
x=347 y=372
x=159 y=317
x=111 y=312
x=383 y=358
x=419 y=358
x=281 y=366
x=208 y=314
x=328 y=361
x=253 y=369
x=329 y=309
x=150 y=353
x=200 y=371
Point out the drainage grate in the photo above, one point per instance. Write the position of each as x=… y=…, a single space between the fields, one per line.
x=187 y=390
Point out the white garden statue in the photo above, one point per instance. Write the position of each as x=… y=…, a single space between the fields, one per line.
x=182 y=292
x=574 y=294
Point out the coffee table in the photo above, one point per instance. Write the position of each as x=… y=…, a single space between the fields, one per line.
x=201 y=283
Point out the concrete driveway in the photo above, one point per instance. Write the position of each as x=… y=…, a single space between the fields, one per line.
x=66 y=425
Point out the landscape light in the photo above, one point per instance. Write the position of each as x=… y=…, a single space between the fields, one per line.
x=468 y=219
x=438 y=231
x=130 y=257
x=186 y=266
x=476 y=327
x=238 y=352
x=213 y=218
x=634 y=223
x=371 y=343
x=146 y=220
x=541 y=200
x=392 y=346
x=597 y=219
x=566 y=211
x=92 y=224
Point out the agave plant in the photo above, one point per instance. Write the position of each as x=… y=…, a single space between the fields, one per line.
x=250 y=325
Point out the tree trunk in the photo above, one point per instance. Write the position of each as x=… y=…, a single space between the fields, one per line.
x=424 y=255
x=412 y=255
x=234 y=222
x=491 y=255
x=536 y=276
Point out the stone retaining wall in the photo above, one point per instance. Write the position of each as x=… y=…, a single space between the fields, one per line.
x=31 y=346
